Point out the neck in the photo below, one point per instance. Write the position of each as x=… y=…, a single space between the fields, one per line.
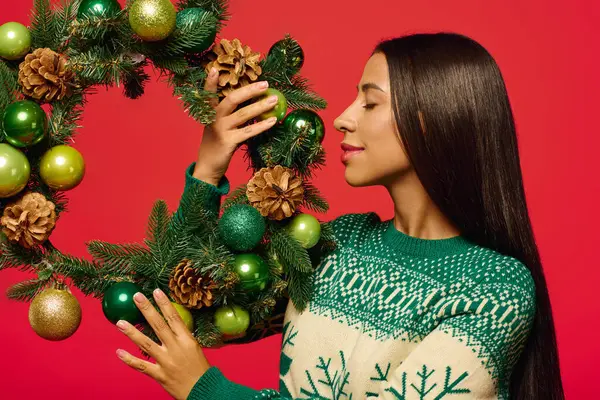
x=415 y=214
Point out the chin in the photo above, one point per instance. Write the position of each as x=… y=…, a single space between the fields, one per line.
x=357 y=179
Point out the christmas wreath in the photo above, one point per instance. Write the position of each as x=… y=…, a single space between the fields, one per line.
x=226 y=272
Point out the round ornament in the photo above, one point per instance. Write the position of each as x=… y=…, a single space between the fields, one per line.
x=306 y=229
x=305 y=122
x=55 y=314
x=24 y=123
x=280 y=50
x=241 y=227
x=185 y=315
x=189 y=16
x=280 y=108
x=253 y=272
x=232 y=320
x=118 y=303
x=62 y=167
x=98 y=8
x=152 y=20
x=15 y=40
x=14 y=170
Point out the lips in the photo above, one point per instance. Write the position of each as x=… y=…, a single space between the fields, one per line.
x=349 y=151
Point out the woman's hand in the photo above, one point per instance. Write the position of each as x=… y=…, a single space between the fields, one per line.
x=221 y=139
x=180 y=361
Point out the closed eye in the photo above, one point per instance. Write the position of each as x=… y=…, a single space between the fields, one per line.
x=369 y=106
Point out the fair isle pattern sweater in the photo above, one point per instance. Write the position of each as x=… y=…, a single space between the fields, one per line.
x=395 y=317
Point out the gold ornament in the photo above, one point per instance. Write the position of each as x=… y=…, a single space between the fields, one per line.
x=189 y=288
x=55 y=314
x=44 y=75
x=275 y=192
x=30 y=220
x=238 y=65
x=152 y=20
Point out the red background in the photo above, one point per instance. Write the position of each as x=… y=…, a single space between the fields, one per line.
x=136 y=152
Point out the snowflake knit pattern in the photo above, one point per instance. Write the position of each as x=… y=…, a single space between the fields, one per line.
x=396 y=317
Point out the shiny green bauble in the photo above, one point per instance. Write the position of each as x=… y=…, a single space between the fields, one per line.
x=280 y=108
x=15 y=40
x=305 y=122
x=253 y=272
x=152 y=20
x=232 y=320
x=93 y=8
x=185 y=315
x=118 y=303
x=241 y=227
x=24 y=123
x=306 y=229
x=62 y=167
x=279 y=49
x=192 y=16
x=14 y=170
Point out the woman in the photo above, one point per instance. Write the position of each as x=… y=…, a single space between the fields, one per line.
x=447 y=299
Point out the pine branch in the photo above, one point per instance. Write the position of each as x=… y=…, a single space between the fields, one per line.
x=88 y=276
x=116 y=258
x=42 y=25
x=96 y=28
x=300 y=287
x=283 y=63
x=64 y=120
x=313 y=200
x=238 y=196
x=26 y=290
x=9 y=86
x=175 y=65
x=13 y=255
x=63 y=18
x=219 y=8
x=196 y=102
x=135 y=80
x=100 y=66
x=290 y=252
x=205 y=330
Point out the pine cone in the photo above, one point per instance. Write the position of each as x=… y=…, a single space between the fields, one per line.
x=189 y=288
x=30 y=220
x=237 y=65
x=275 y=192
x=44 y=75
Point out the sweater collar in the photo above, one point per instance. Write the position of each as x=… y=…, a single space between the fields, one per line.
x=423 y=247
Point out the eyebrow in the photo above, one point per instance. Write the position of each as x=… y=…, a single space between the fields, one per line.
x=370 y=85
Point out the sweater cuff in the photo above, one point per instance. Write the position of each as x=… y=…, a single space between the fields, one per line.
x=211 y=385
x=220 y=190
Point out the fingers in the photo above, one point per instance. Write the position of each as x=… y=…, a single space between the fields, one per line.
x=237 y=97
x=142 y=366
x=155 y=320
x=249 y=131
x=251 y=111
x=210 y=85
x=141 y=340
x=170 y=314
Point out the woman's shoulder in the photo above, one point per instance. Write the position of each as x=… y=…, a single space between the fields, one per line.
x=348 y=227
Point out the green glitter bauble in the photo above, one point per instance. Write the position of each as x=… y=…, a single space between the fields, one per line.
x=241 y=227
x=192 y=16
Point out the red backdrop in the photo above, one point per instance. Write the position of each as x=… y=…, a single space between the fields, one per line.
x=136 y=152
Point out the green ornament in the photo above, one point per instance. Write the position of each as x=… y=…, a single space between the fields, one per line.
x=118 y=303
x=241 y=227
x=24 y=123
x=305 y=122
x=192 y=16
x=306 y=229
x=14 y=170
x=62 y=167
x=280 y=50
x=280 y=108
x=15 y=40
x=232 y=320
x=98 y=8
x=253 y=272
x=152 y=20
x=185 y=315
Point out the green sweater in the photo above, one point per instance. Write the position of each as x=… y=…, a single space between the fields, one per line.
x=395 y=317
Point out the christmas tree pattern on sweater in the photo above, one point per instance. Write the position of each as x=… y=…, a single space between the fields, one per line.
x=397 y=317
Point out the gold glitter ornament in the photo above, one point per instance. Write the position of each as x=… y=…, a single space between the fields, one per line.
x=152 y=20
x=55 y=314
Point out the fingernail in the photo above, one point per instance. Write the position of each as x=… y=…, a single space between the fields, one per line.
x=139 y=297
x=158 y=293
x=121 y=353
x=272 y=120
x=263 y=84
x=272 y=100
x=213 y=72
x=121 y=325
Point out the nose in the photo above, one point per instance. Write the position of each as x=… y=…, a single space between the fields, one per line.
x=345 y=123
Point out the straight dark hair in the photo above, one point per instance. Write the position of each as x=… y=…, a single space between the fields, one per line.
x=455 y=122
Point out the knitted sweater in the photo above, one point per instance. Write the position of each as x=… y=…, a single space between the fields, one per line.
x=396 y=317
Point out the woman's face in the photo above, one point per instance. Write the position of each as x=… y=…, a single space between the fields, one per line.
x=371 y=149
